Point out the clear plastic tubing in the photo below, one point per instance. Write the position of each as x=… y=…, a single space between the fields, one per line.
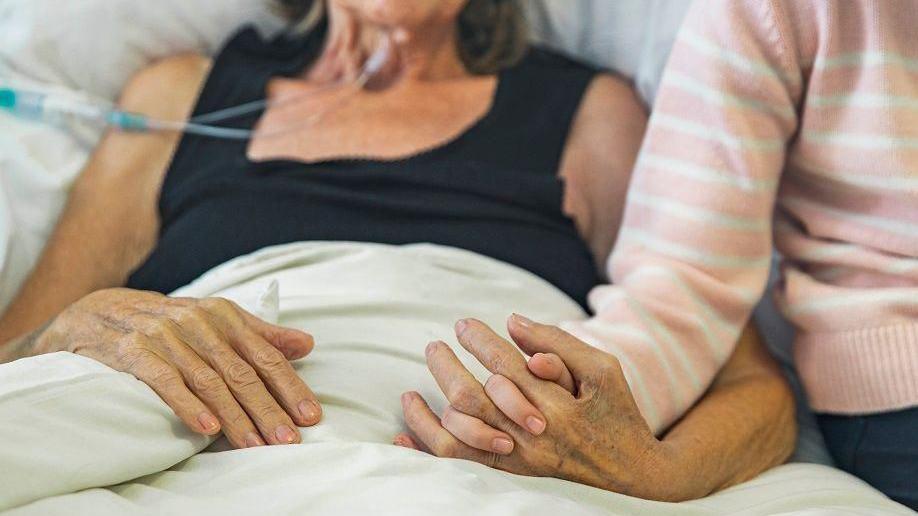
x=58 y=109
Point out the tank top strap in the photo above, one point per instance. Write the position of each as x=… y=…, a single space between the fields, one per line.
x=239 y=75
x=534 y=108
x=247 y=61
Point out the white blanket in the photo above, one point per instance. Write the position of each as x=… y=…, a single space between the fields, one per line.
x=70 y=426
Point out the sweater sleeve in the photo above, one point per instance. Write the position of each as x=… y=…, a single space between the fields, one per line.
x=695 y=246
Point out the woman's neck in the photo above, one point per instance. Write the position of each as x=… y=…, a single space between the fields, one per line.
x=428 y=53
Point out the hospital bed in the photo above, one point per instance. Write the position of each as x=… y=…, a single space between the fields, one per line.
x=77 y=437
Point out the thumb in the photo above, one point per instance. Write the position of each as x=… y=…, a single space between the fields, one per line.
x=294 y=344
x=531 y=337
x=550 y=367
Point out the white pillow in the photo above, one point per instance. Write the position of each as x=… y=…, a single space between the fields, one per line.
x=633 y=38
x=96 y=45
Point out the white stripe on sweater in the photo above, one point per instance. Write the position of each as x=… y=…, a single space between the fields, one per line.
x=706 y=174
x=897 y=181
x=697 y=213
x=862 y=100
x=689 y=254
x=717 y=97
x=885 y=296
x=905 y=228
x=708 y=133
x=735 y=60
x=860 y=140
x=864 y=59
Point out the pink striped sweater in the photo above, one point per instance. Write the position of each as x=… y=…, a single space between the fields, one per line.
x=787 y=124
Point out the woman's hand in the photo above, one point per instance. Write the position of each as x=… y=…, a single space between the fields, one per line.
x=527 y=425
x=217 y=366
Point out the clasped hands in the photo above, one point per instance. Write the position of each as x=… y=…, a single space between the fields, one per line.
x=566 y=412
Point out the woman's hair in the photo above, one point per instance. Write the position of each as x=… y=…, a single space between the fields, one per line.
x=493 y=34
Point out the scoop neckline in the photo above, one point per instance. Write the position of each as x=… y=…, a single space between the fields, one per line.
x=475 y=126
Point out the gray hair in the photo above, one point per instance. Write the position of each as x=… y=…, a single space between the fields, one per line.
x=493 y=34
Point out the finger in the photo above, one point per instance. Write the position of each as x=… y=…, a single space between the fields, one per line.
x=514 y=404
x=272 y=421
x=531 y=337
x=270 y=363
x=426 y=426
x=460 y=387
x=210 y=335
x=279 y=376
x=167 y=383
x=475 y=433
x=549 y=366
x=210 y=388
x=498 y=355
x=406 y=441
x=294 y=344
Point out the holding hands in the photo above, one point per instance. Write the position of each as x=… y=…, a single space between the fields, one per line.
x=567 y=412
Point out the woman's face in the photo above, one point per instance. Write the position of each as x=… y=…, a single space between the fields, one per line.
x=404 y=13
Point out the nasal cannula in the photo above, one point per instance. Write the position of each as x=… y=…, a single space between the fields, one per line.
x=55 y=108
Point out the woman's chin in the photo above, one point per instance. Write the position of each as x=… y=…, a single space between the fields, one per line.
x=404 y=14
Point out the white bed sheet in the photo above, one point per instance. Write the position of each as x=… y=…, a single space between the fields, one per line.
x=71 y=426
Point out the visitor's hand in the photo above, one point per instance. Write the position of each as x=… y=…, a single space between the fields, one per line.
x=568 y=412
x=217 y=366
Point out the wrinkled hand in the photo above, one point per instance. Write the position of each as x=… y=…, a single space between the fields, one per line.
x=567 y=413
x=216 y=365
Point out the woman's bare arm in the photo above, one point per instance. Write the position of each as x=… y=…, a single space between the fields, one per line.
x=601 y=152
x=743 y=426
x=110 y=223
x=217 y=366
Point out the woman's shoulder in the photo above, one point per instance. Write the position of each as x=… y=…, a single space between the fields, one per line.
x=543 y=57
x=167 y=88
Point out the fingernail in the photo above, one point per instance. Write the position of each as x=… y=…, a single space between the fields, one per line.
x=406 y=400
x=502 y=446
x=461 y=326
x=430 y=348
x=252 y=440
x=285 y=434
x=535 y=425
x=310 y=410
x=208 y=422
x=523 y=321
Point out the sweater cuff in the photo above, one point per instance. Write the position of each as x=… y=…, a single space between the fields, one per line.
x=863 y=371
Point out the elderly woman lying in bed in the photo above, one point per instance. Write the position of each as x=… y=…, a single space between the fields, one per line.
x=466 y=138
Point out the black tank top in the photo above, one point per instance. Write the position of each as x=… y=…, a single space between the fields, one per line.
x=493 y=190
